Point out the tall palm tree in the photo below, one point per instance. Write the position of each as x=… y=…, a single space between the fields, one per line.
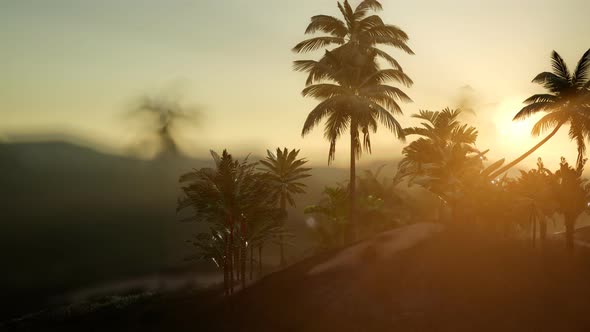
x=285 y=172
x=567 y=102
x=348 y=80
x=352 y=99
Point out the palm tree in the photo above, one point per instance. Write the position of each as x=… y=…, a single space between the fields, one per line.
x=330 y=218
x=168 y=114
x=348 y=81
x=443 y=157
x=567 y=102
x=535 y=190
x=439 y=131
x=285 y=172
x=573 y=195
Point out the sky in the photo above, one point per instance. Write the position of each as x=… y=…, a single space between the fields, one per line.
x=76 y=67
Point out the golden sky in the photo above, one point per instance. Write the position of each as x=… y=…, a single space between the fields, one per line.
x=77 y=66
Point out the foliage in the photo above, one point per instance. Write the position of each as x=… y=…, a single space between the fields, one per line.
x=237 y=204
x=380 y=207
x=284 y=173
x=349 y=83
x=567 y=102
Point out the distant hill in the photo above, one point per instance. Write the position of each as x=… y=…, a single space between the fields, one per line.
x=72 y=216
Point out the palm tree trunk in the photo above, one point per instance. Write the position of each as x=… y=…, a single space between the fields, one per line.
x=251 y=262
x=243 y=254
x=260 y=259
x=534 y=221
x=281 y=244
x=231 y=260
x=526 y=154
x=542 y=231
x=352 y=184
x=226 y=265
x=569 y=232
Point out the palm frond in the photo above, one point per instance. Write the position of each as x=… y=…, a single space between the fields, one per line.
x=315 y=43
x=324 y=91
x=552 y=82
x=559 y=66
x=582 y=72
x=540 y=98
x=532 y=109
x=548 y=121
x=327 y=24
x=385 y=75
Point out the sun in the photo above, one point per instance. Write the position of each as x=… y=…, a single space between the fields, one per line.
x=507 y=128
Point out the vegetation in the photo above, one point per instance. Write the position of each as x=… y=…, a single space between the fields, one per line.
x=566 y=103
x=349 y=82
x=285 y=172
x=167 y=114
x=241 y=207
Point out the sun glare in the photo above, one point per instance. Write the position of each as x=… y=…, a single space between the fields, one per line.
x=509 y=129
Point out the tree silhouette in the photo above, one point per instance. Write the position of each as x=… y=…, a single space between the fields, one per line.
x=567 y=102
x=573 y=195
x=366 y=32
x=285 y=172
x=231 y=198
x=443 y=156
x=167 y=114
x=348 y=81
x=535 y=189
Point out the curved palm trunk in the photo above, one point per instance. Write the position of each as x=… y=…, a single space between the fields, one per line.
x=352 y=184
x=526 y=154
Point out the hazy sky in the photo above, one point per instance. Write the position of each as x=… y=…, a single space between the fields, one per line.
x=76 y=66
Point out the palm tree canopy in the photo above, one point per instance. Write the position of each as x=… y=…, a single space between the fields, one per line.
x=358 y=26
x=285 y=172
x=230 y=192
x=443 y=126
x=348 y=93
x=567 y=100
x=443 y=155
x=572 y=191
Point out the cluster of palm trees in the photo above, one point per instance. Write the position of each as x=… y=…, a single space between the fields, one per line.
x=445 y=161
x=244 y=204
x=354 y=96
x=243 y=207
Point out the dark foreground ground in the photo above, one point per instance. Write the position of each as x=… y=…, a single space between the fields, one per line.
x=456 y=281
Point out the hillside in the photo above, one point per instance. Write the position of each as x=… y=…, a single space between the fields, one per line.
x=456 y=280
